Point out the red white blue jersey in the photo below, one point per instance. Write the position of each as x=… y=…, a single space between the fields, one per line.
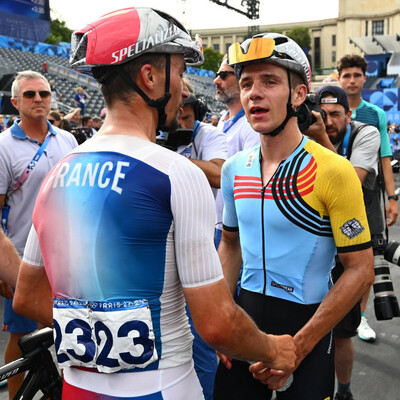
x=123 y=224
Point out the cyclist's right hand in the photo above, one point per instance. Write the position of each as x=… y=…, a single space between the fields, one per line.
x=6 y=290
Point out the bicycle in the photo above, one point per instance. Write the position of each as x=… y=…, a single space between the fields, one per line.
x=36 y=358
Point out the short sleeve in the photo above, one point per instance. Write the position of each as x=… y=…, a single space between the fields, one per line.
x=32 y=254
x=229 y=216
x=193 y=209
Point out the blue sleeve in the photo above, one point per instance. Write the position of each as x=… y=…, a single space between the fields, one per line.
x=229 y=217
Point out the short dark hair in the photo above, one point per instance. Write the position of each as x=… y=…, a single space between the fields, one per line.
x=114 y=87
x=85 y=119
x=352 y=61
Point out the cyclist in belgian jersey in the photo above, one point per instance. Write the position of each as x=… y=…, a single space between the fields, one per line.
x=125 y=229
x=290 y=204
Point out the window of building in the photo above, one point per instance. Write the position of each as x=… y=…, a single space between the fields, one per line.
x=377 y=27
x=317 y=53
x=216 y=47
x=333 y=56
x=227 y=45
x=333 y=40
x=366 y=28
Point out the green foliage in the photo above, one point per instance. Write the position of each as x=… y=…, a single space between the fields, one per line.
x=301 y=36
x=59 y=32
x=212 y=59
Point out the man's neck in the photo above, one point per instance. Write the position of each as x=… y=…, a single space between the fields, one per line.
x=354 y=101
x=34 y=129
x=234 y=109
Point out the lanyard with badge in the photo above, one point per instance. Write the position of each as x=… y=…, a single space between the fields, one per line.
x=188 y=150
x=5 y=210
x=230 y=122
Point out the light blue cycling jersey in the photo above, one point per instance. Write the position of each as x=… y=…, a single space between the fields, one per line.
x=371 y=114
x=312 y=206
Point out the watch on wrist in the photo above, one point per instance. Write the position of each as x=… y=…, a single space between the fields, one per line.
x=393 y=197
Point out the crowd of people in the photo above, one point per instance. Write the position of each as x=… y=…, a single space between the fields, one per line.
x=238 y=264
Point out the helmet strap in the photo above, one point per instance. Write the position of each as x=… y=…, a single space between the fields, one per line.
x=290 y=112
x=161 y=102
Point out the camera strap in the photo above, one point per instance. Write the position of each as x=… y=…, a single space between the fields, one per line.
x=5 y=210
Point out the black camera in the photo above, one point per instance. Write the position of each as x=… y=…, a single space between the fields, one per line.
x=81 y=134
x=305 y=118
x=385 y=301
x=172 y=140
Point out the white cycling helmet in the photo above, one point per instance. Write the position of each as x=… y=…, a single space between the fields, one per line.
x=123 y=35
x=272 y=48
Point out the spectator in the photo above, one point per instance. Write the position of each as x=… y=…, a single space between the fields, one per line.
x=74 y=118
x=54 y=118
x=214 y=120
x=87 y=122
x=146 y=216
x=80 y=99
x=362 y=149
x=352 y=70
x=97 y=122
x=30 y=136
x=55 y=96
x=289 y=206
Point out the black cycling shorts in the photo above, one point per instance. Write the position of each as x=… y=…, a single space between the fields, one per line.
x=315 y=377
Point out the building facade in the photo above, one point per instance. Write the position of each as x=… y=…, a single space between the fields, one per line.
x=330 y=38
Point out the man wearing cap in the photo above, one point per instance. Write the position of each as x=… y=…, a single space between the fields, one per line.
x=352 y=74
x=289 y=205
x=125 y=229
x=360 y=144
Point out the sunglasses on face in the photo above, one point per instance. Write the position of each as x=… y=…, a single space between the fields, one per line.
x=51 y=121
x=30 y=94
x=223 y=74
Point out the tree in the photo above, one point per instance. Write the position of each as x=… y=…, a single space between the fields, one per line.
x=59 y=32
x=212 y=59
x=301 y=36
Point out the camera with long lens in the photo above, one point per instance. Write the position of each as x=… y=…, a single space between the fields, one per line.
x=172 y=140
x=305 y=118
x=385 y=301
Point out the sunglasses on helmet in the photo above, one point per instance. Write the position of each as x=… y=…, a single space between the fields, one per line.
x=30 y=94
x=259 y=48
x=223 y=74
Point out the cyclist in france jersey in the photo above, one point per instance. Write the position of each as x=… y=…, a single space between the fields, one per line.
x=125 y=229
x=293 y=203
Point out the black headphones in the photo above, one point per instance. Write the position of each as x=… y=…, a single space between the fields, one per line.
x=199 y=106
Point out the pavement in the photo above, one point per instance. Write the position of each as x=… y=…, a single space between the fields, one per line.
x=376 y=370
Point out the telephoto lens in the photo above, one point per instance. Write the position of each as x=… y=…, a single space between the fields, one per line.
x=392 y=252
x=385 y=302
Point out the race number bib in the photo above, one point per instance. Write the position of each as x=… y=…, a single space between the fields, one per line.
x=109 y=336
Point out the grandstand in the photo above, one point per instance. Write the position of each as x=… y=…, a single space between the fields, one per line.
x=66 y=80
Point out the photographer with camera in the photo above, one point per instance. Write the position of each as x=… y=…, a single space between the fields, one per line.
x=360 y=143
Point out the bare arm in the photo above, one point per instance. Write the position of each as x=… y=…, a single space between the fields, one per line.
x=9 y=262
x=212 y=170
x=230 y=255
x=357 y=277
x=226 y=327
x=392 y=208
x=33 y=296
